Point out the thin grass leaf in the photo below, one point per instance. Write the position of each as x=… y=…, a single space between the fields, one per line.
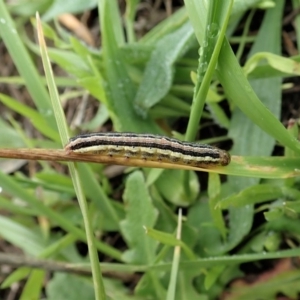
x=63 y=131
x=213 y=32
x=169 y=239
x=279 y=63
x=18 y=275
x=228 y=260
x=165 y=27
x=175 y=264
x=214 y=193
x=36 y=119
x=131 y=7
x=25 y=66
x=13 y=188
x=257 y=194
x=34 y=285
x=21 y=236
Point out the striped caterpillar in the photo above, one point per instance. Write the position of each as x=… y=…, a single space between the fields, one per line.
x=148 y=147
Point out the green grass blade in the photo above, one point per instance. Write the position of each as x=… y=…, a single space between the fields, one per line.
x=63 y=131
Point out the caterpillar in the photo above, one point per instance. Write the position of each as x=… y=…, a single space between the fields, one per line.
x=148 y=147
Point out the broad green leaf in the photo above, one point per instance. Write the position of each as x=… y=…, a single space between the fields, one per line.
x=208 y=237
x=171 y=188
x=69 y=287
x=158 y=75
x=186 y=288
x=136 y=53
x=140 y=212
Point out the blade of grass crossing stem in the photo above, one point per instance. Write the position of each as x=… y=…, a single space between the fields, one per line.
x=225 y=260
x=60 y=119
x=214 y=34
x=175 y=264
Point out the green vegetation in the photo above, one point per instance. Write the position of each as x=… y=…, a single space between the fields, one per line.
x=147 y=85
